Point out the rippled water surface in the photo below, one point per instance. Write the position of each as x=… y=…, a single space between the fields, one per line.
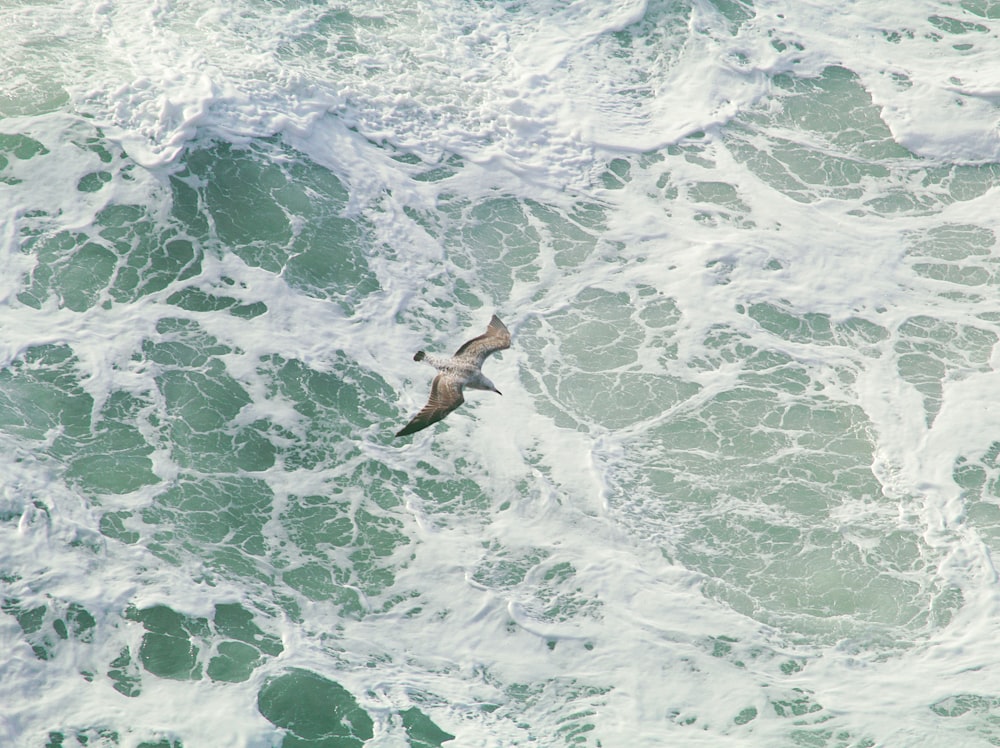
x=743 y=484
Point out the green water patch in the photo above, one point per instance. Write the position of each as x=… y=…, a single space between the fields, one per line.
x=119 y=526
x=503 y=569
x=723 y=204
x=15 y=148
x=234 y=662
x=605 y=359
x=40 y=393
x=283 y=214
x=21 y=147
x=334 y=406
x=575 y=721
x=979 y=478
x=176 y=647
x=446 y=168
x=226 y=649
x=573 y=236
x=124 y=674
x=448 y=494
x=737 y=12
x=99 y=737
x=767 y=489
x=836 y=107
x=421 y=731
x=219 y=518
x=114 y=457
x=550 y=591
x=51 y=628
x=962 y=276
x=959 y=254
x=338 y=547
x=314 y=711
x=167 y=650
x=950 y=25
x=313 y=41
x=810 y=725
x=198 y=300
x=818 y=328
x=201 y=401
x=977 y=714
x=931 y=352
x=838 y=113
x=152 y=256
x=495 y=243
x=343 y=549
x=42 y=401
x=556 y=596
x=943 y=185
x=129 y=252
x=94 y=181
x=236 y=622
x=982 y=8
x=617 y=175
x=956 y=706
x=850 y=153
x=494 y=238
x=70 y=267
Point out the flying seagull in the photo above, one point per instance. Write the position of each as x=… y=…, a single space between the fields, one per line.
x=464 y=369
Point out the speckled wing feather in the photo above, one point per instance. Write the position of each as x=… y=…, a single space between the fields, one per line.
x=496 y=338
x=446 y=395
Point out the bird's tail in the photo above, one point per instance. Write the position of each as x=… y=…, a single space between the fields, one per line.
x=419 y=356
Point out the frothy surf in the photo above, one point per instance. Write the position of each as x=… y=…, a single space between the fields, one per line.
x=742 y=485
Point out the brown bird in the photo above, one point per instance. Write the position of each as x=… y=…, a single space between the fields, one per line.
x=464 y=369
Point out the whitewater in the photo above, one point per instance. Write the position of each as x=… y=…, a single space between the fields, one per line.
x=743 y=484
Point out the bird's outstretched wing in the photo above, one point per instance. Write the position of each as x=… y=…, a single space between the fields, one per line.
x=496 y=338
x=446 y=395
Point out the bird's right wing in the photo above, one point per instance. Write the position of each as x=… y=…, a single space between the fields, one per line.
x=446 y=395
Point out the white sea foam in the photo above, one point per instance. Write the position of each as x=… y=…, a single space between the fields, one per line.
x=656 y=209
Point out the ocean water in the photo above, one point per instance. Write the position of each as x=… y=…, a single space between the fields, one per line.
x=743 y=484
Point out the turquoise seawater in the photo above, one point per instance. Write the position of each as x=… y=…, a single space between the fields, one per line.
x=743 y=484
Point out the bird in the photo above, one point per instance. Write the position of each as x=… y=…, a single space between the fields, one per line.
x=462 y=370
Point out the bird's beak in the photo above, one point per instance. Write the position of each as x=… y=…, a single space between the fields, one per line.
x=497 y=391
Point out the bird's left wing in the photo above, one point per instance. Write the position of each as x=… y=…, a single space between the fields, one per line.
x=496 y=338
